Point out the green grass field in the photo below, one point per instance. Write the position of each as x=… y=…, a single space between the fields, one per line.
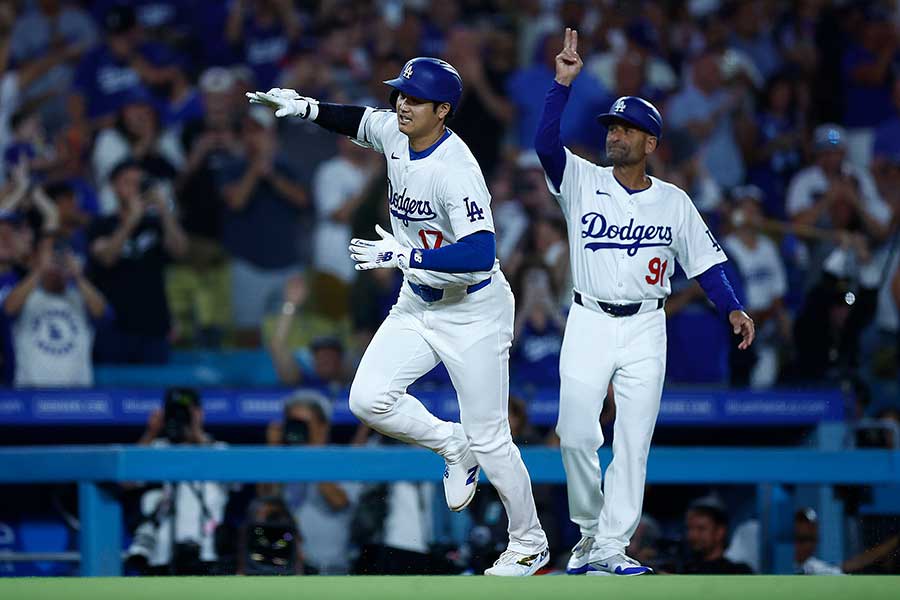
x=457 y=588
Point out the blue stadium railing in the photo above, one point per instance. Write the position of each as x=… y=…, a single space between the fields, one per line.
x=774 y=471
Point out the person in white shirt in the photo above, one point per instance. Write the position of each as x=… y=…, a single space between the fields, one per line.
x=816 y=195
x=806 y=538
x=847 y=262
x=178 y=534
x=339 y=187
x=765 y=284
x=323 y=510
x=53 y=332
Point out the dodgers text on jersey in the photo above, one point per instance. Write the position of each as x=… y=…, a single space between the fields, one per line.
x=630 y=237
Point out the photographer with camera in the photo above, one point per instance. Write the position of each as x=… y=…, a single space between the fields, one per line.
x=54 y=311
x=128 y=253
x=323 y=510
x=178 y=533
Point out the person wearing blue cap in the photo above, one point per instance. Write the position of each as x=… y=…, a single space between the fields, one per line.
x=845 y=269
x=626 y=230
x=455 y=305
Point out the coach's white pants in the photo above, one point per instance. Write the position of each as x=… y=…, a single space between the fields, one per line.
x=630 y=351
x=471 y=334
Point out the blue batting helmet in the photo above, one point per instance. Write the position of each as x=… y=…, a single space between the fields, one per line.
x=636 y=111
x=429 y=79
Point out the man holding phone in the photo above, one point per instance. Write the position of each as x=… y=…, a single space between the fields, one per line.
x=128 y=252
x=54 y=311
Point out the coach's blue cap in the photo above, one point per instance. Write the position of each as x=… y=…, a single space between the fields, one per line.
x=636 y=111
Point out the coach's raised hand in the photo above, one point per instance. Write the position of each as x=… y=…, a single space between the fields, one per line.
x=568 y=63
x=286 y=102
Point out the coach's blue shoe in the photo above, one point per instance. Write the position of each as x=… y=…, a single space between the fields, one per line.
x=460 y=481
x=617 y=564
x=581 y=556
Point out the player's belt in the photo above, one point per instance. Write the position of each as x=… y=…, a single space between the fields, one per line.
x=432 y=294
x=619 y=310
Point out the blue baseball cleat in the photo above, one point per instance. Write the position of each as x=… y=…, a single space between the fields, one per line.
x=617 y=564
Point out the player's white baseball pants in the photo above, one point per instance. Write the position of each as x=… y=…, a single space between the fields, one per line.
x=632 y=352
x=471 y=334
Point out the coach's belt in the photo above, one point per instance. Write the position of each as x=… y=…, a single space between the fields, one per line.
x=619 y=310
x=432 y=294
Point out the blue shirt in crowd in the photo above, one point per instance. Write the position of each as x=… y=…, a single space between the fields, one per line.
x=865 y=105
x=265 y=231
x=579 y=124
x=106 y=81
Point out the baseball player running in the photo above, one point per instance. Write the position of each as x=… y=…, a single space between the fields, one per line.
x=455 y=305
x=626 y=229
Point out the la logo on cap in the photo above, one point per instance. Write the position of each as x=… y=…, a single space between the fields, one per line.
x=407 y=72
x=619 y=106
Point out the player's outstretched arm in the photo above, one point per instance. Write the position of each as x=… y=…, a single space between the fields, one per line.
x=339 y=118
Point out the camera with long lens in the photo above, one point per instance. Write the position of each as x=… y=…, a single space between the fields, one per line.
x=177 y=414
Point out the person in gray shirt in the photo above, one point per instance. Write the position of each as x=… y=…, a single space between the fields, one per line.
x=323 y=510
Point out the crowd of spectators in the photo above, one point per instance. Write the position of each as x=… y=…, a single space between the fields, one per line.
x=126 y=139
x=146 y=208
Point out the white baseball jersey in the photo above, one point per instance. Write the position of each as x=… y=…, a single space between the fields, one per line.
x=623 y=246
x=435 y=198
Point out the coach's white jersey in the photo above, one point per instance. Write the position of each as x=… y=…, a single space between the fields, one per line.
x=435 y=198
x=623 y=245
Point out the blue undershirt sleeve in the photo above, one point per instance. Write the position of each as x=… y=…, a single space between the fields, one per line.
x=475 y=252
x=547 y=142
x=718 y=289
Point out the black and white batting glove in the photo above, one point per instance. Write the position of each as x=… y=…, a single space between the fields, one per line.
x=386 y=253
x=287 y=103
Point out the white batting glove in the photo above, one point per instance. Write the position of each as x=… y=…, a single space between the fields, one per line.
x=286 y=102
x=386 y=253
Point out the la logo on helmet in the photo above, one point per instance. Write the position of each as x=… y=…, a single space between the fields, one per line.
x=408 y=70
x=619 y=106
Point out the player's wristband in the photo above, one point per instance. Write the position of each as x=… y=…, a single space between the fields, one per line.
x=475 y=252
x=715 y=283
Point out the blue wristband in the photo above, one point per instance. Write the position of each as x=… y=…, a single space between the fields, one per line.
x=475 y=252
